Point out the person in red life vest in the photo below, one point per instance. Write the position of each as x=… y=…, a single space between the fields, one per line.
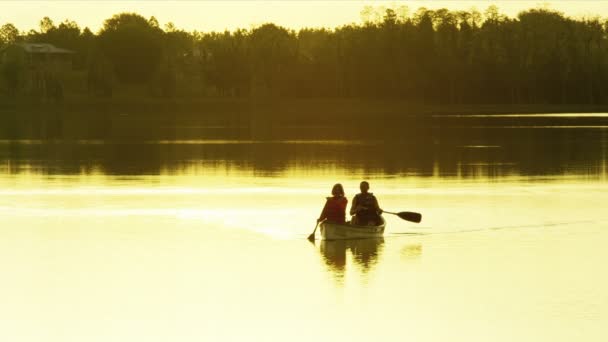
x=335 y=206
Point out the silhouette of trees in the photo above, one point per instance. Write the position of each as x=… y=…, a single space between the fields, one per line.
x=67 y=35
x=273 y=56
x=12 y=69
x=224 y=62
x=427 y=56
x=8 y=34
x=133 y=45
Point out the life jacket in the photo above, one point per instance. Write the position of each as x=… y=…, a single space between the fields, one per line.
x=369 y=201
x=335 y=209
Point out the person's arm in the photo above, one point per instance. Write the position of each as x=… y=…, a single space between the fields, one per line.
x=353 y=207
x=323 y=215
x=377 y=206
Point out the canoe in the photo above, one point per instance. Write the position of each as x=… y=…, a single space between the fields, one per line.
x=342 y=231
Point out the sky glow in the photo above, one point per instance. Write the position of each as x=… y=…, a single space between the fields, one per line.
x=221 y=15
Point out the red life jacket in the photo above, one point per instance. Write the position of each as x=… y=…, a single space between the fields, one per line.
x=335 y=209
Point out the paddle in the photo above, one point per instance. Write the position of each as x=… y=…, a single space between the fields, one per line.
x=311 y=237
x=407 y=215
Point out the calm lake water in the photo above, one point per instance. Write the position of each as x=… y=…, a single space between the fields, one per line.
x=205 y=240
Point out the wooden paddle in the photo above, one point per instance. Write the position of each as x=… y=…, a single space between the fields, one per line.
x=408 y=216
x=311 y=237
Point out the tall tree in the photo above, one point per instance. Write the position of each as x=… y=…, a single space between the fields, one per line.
x=9 y=34
x=133 y=45
x=273 y=50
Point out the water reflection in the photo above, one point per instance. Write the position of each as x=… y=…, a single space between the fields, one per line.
x=170 y=229
x=475 y=154
x=471 y=146
x=364 y=252
x=411 y=251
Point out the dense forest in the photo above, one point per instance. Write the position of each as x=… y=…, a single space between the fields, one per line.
x=426 y=56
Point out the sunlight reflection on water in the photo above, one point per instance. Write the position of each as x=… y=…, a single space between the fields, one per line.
x=505 y=250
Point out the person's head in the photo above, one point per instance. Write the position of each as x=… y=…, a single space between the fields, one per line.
x=364 y=186
x=337 y=190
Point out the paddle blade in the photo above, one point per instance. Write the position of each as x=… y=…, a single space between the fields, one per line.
x=311 y=237
x=409 y=216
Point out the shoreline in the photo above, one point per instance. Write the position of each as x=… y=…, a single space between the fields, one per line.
x=185 y=119
x=288 y=106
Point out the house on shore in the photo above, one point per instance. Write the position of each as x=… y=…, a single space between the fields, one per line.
x=38 y=68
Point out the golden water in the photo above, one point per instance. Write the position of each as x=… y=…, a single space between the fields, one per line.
x=215 y=250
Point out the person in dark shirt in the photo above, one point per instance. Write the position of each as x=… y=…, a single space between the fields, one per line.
x=365 y=209
x=335 y=206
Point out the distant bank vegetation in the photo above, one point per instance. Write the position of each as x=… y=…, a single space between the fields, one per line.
x=426 y=57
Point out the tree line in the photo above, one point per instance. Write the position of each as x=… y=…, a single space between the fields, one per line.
x=427 y=56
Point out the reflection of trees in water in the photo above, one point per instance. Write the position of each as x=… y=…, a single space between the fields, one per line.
x=365 y=253
x=427 y=146
x=507 y=152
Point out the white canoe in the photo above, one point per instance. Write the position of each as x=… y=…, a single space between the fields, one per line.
x=337 y=231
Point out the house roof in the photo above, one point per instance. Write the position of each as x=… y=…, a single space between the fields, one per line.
x=43 y=48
